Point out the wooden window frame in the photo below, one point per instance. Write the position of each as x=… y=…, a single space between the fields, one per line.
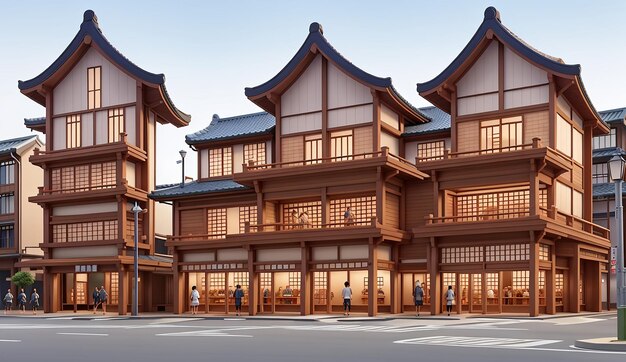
x=7 y=203
x=492 y=134
x=116 y=124
x=343 y=141
x=7 y=236
x=217 y=223
x=313 y=146
x=247 y=214
x=220 y=161
x=7 y=172
x=94 y=87
x=73 y=131
x=254 y=152
x=605 y=141
x=433 y=150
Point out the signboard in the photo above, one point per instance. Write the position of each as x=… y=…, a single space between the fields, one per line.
x=613 y=260
x=85 y=268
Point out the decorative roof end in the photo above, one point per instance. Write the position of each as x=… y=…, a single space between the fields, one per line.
x=492 y=13
x=316 y=27
x=90 y=16
x=216 y=117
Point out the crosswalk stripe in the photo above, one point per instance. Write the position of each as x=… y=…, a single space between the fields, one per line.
x=478 y=342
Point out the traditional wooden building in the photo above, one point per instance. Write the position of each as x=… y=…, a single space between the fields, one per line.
x=20 y=229
x=341 y=179
x=101 y=117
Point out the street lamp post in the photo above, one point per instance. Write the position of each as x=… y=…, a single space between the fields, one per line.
x=136 y=210
x=616 y=172
x=183 y=153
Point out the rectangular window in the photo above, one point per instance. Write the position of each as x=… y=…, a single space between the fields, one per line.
x=94 y=84
x=95 y=176
x=341 y=145
x=468 y=254
x=293 y=214
x=6 y=236
x=84 y=231
x=507 y=252
x=577 y=146
x=544 y=252
x=428 y=151
x=7 y=203
x=521 y=279
x=492 y=206
x=249 y=214
x=116 y=124
x=501 y=135
x=313 y=149
x=216 y=221
x=559 y=285
x=7 y=172
x=362 y=209
x=73 y=132
x=220 y=161
x=563 y=136
x=563 y=198
x=254 y=152
x=600 y=173
x=605 y=141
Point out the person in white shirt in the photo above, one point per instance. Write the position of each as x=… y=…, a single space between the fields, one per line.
x=195 y=300
x=346 y=293
x=449 y=299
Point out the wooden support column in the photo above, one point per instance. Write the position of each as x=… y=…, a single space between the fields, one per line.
x=574 y=282
x=124 y=289
x=435 y=283
x=594 y=289
x=253 y=284
x=325 y=206
x=587 y=174
x=147 y=278
x=534 y=190
x=178 y=287
x=394 y=287
x=380 y=192
x=550 y=280
x=372 y=277
x=552 y=101
x=47 y=298
x=74 y=293
x=483 y=280
x=534 y=275
x=325 y=133
x=458 y=294
x=305 y=281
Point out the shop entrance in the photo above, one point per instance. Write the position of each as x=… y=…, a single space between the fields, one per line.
x=328 y=286
x=409 y=281
x=279 y=292
x=220 y=288
x=78 y=290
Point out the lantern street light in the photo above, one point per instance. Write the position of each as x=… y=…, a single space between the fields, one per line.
x=183 y=153
x=136 y=210
x=616 y=173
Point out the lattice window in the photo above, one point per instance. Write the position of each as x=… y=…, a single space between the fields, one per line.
x=247 y=214
x=294 y=280
x=220 y=161
x=114 y=289
x=94 y=84
x=559 y=283
x=477 y=288
x=7 y=203
x=7 y=172
x=320 y=285
x=73 y=132
x=380 y=282
x=362 y=209
x=266 y=280
x=521 y=279
x=605 y=141
x=501 y=135
x=468 y=254
x=254 y=152
x=600 y=173
x=7 y=236
x=313 y=149
x=543 y=197
x=489 y=206
x=217 y=280
x=428 y=151
x=116 y=124
x=341 y=145
x=544 y=252
x=491 y=280
x=241 y=278
x=293 y=214
x=507 y=252
x=542 y=287
x=84 y=177
x=216 y=221
x=85 y=231
x=464 y=285
x=449 y=279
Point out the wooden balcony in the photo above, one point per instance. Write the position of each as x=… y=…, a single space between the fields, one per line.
x=88 y=193
x=382 y=158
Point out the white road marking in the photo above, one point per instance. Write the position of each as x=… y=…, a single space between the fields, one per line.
x=576 y=320
x=10 y=340
x=448 y=341
x=234 y=319
x=172 y=320
x=85 y=334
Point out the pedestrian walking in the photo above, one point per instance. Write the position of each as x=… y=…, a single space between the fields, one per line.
x=195 y=300
x=418 y=295
x=346 y=293
x=8 y=301
x=96 y=299
x=103 y=299
x=34 y=300
x=449 y=299
x=238 y=297
x=21 y=301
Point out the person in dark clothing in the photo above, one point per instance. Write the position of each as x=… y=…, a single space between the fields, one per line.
x=96 y=299
x=238 y=294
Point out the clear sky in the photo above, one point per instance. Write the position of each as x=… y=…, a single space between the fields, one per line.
x=211 y=51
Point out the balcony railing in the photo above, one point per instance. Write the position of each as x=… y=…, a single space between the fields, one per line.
x=384 y=152
x=195 y=237
x=248 y=228
x=576 y=222
x=451 y=155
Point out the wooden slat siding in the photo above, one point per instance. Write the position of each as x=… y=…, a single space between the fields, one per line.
x=270 y=212
x=338 y=178
x=578 y=176
x=292 y=149
x=362 y=141
x=413 y=251
x=392 y=210
x=468 y=136
x=418 y=203
x=536 y=125
x=193 y=222
x=449 y=204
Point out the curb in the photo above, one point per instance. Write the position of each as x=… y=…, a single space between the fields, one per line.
x=602 y=344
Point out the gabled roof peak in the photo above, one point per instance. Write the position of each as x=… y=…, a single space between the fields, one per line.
x=492 y=13
x=90 y=17
x=316 y=27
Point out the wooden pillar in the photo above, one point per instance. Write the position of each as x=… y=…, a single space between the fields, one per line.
x=394 y=287
x=372 y=277
x=483 y=280
x=48 y=299
x=253 y=283
x=147 y=278
x=534 y=276
x=459 y=293
x=595 y=289
x=435 y=284
x=550 y=281
x=75 y=293
x=305 y=281
x=178 y=287
x=122 y=307
x=500 y=292
x=573 y=283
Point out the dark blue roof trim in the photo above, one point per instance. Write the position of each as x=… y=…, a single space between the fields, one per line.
x=605 y=190
x=440 y=122
x=11 y=145
x=254 y=124
x=613 y=115
x=196 y=188
x=32 y=122
x=89 y=27
x=316 y=37
x=492 y=22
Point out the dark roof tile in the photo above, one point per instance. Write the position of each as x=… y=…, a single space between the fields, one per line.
x=233 y=127
x=196 y=188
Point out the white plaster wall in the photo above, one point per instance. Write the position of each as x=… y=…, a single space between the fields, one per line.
x=232 y=220
x=577 y=119
x=84 y=252
x=268 y=152
x=520 y=73
x=163 y=223
x=563 y=105
x=102 y=128
x=84 y=209
x=204 y=163
x=305 y=94
x=87 y=129
x=130 y=173
x=31 y=227
x=410 y=151
x=325 y=253
x=482 y=77
x=345 y=91
x=232 y=254
x=389 y=117
x=130 y=125
x=301 y=123
x=287 y=254
x=349 y=116
x=198 y=257
x=70 y=95
x=354 y=252
x=390 y=141
x=58 y=133
x=238 y=158
x=477 y=104
x=526 y=96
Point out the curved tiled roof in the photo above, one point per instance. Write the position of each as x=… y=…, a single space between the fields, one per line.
x=613 y=115
x=492 y=22
x=90 y=28
x=316 y=38
x=233 y=127
x=195 y=188
x=608 y=152
x=440 y=121
x=605 y=190
x=38 y=121
x=11 y=145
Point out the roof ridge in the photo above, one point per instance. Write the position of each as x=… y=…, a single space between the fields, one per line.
x=220 y=119
x=612 y=110
x=22 y=138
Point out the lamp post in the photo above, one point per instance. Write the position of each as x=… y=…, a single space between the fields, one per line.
x=183 y=153
x=616 y=172
x=136 y=210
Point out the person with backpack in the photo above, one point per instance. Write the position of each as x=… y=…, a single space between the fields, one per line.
x=8 y=301
x=238 y=295
x=418 y=296
x=21 y=301
x=34 y=300
x=103 y=295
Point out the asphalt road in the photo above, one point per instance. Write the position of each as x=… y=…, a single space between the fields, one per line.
x=96 y=338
